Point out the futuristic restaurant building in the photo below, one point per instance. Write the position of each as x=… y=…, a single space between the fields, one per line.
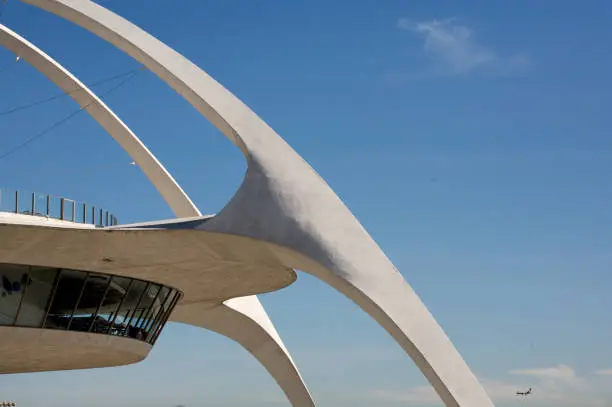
x=81 y=290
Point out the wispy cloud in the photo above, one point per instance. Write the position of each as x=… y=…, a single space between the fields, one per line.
x=604 y=372
x=557 y=386
x=556 y=383
x=421 y=394
x=497 y=390
x=455 y=50
x=559 y=372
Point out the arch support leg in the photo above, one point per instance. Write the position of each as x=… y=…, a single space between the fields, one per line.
x=245 y=321
x=397 y=308
x=310 y=229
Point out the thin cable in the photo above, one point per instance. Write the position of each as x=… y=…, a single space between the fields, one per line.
x=64 y=120
x=61 y=95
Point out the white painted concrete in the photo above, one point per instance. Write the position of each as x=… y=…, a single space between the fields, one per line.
x=20 y=219
x=169 y=189
x=243 y=320
x=208 y=267
x=284 y=202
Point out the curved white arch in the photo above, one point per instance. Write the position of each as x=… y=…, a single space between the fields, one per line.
x=170 y=190
x=283 y=201
x=244 y=320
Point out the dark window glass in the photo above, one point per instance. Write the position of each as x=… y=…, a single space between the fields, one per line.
x=37 y=297
x=156 y=311
x=160 y=327
x=107 y=319
x=13 y=279
x=52 y=298
x=99 y=323
x=129 y=306
x=92 y=296
x=151 y=297
x=161 y=319
x=68 y=292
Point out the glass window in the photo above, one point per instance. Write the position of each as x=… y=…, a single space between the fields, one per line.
x=92 y=296
x=106 y=320
x=150 y=298
x=160 y=321
x=52 y=298
x=67 y=296
x=99 y=323
x=130 y=306
x=155 y=312
x=13 y=280
x=37 y=296
x=177 y=297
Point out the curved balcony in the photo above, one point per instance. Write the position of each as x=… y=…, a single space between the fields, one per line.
x=81 y=301
x=44 y=205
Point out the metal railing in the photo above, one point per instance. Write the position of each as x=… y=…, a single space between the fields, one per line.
x=44 y=205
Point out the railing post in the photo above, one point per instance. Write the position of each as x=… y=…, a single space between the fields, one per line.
x=99 y=216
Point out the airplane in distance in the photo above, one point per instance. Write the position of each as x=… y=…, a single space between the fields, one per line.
x=524 y=393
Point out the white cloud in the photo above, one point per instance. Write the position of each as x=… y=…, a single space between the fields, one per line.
x=497 y=390
x=421 y=394
x=455 y=50
x=604 y=372
x=557 y=386
x=559 y=372
x=556 y=383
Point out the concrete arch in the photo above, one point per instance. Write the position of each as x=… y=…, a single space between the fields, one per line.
x=170 y=190
x=243 y=319
x=285 y=202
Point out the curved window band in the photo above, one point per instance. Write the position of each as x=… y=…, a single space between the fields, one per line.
x=82 y=301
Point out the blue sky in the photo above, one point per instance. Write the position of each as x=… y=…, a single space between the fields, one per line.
x=471 y=138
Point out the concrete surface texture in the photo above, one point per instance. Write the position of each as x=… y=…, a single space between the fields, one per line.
x=286 y=204
x=243 y=320
x=41 y=350
x=206 y=267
